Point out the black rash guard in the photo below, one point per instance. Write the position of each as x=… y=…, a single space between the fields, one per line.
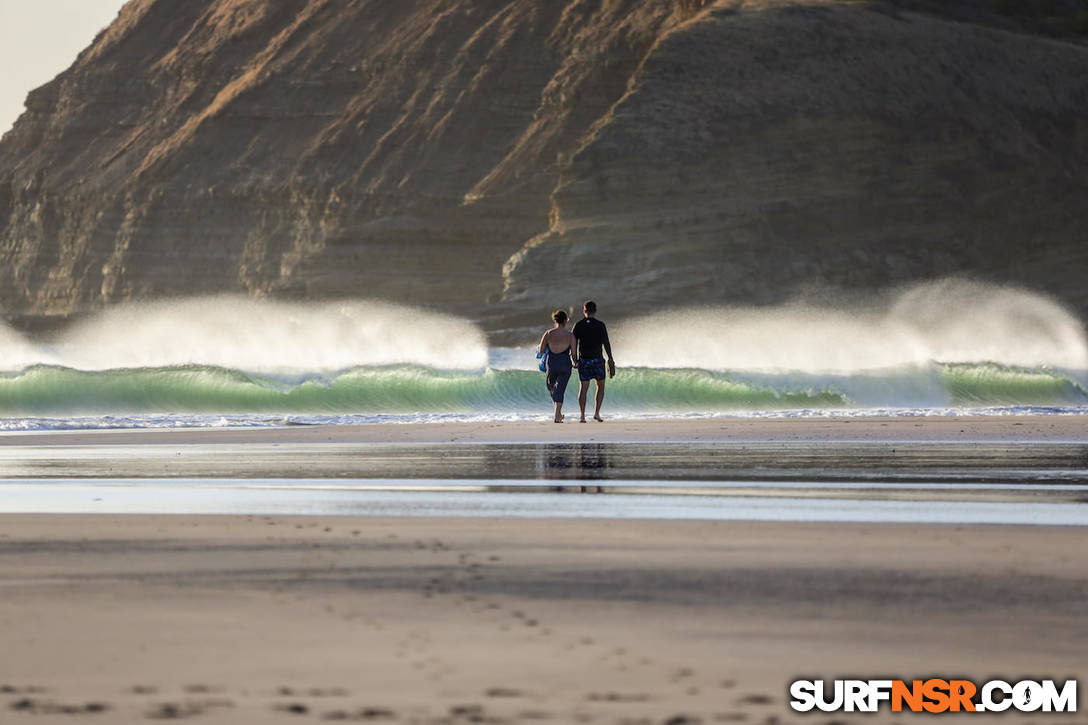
x=591 y=335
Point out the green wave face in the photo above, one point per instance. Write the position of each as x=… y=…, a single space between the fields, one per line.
x=993 y=384
x=46 y=390
x=196 y=389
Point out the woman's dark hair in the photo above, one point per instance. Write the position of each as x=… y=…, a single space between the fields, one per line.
x=560 y=317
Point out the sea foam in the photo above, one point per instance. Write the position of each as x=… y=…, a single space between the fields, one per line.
x=947 y=321
x=259 y=336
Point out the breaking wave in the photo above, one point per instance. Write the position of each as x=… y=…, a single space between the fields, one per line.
x=948 y=344
x=51 y=390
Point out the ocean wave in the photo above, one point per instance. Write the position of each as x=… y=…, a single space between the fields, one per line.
x=47 y=390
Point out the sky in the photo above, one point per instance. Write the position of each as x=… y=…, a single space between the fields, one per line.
x=39 y=39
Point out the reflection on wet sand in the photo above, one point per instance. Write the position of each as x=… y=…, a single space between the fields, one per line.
x=574 y=461
x=589 y=461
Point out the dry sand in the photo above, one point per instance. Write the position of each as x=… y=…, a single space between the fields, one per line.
x=292 y=619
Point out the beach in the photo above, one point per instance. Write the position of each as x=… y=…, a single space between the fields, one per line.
x=294 y=619
x=1027 y=428
x=278 y=433
x=603 y=617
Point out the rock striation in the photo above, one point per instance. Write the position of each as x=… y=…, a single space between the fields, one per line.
x=498 y=158
x=762 y=154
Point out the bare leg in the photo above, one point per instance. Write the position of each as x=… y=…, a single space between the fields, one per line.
x=558 y=412
x=600 y=399
x=583 y=392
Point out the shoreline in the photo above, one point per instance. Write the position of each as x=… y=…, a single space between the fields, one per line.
x=1002 y=470
x=951 y=429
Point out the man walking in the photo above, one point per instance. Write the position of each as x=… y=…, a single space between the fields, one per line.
x=592 y=335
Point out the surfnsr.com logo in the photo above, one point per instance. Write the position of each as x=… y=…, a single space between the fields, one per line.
x=933 y=695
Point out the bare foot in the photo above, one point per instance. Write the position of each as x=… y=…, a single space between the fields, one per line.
x=582 y=420
x=598 y=418
x=559 y=419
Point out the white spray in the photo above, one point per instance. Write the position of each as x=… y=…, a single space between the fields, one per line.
x=947 y=321
x=257 y=336
x=15 y=352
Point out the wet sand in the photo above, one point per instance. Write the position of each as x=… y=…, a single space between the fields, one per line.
x=554 y=464
x=297 y=619
x=289 y=618
x=1039 y=428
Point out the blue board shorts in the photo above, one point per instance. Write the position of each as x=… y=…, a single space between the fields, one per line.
x=591 y=369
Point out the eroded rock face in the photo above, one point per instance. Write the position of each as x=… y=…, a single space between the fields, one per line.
x=322 y=148
x=653 y=153
x=766 y=154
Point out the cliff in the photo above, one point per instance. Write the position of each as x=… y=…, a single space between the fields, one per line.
x=498 y=158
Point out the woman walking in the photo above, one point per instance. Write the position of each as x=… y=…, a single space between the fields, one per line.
x=557 y=346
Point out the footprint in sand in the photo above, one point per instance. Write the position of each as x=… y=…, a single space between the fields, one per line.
x=174 y=711
x=472 y=713
x=28 y=690
x=285 y=691
x=617 y=697
x=201 y=689
x=55 y=708
x=367 y=713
